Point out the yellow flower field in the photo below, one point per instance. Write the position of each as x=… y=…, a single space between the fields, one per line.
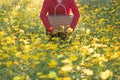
x=92 y=52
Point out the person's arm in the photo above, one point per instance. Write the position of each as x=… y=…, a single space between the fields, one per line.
x=75 y=13
x=43 y=16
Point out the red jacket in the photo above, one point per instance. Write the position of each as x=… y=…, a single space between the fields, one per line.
x=48 y=9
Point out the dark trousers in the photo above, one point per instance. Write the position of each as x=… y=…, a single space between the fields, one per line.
x=61 y=35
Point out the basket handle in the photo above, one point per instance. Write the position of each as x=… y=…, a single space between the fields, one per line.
x=57 y=6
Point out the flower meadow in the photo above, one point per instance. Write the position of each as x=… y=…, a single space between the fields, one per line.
x=91 y=52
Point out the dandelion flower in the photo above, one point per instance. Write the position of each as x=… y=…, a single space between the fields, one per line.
x=66 y=61
x=21 y=31
x=106 y=74
x=88 y=72
x=73 y=58
x=2 y=33
x=52 y=64
x=52 y=74
x=66 y=68
x=15 y=62
x=69 y=30
x=66 y=78
x=8 y=63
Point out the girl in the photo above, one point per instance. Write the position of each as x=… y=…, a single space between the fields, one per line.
x=48 y=9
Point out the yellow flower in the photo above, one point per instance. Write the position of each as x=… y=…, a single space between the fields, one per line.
x=115 y=55
x=88 y=72
x=69 y=30
x=22 y=77
x=10 y=72
x=100 y=21
x=96 y=55
x=96 y=10
x=85 y=7
x=106 y=74
x=18 y=54
x=0 y=63
x=52 y=74
x=63 y=73
x=82 y=29
x=84 y=79
x=5 y=20
x=58 y=78
x=9 y=29
x=66 y=78
x=118 y=77
x=90 y=50
x=73 y=58
x=116 y=48
x=19 y=14
x=62 y=28
x=102 y=59
x=37 y=62
x=87 y=19
x=76 y=43
x=16 y=28
x=8 y=63
x=54 y=47
x=13 y=49
x=5 y=56
x=26 y=56
x=21 y=31
x=15 y=62
x=25 y=26
x=26 y=48
x=88 y=31
x=86 y=64
x=2 y=33
x=66 y=68
x=44 y=76
x=35 y=57
x=52 y=64
x=94 y=16
x=33 y=66
x=4 y=47
x=66 y=61
x=32 y=23
x=16 y=78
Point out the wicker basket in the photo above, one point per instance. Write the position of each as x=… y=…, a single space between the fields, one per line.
x=57 y=21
